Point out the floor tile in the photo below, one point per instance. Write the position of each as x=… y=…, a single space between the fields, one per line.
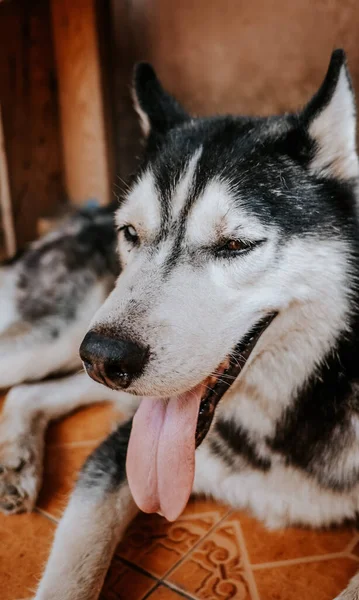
x=321 y=580
x=215 y=570
x=91 y=423
x=125 y=583
x=165 y=593
x=62 y=466
x=269 y=546
x=25 y=541
x=156 y=545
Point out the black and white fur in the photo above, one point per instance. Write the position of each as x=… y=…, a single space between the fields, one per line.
x=285 y=441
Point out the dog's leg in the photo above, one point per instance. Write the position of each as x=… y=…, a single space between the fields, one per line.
x=30 y=352
x=93 y=523
x=33 y=349
x=26 y=413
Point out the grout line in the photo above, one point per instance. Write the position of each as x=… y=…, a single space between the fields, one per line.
x=246 y=562
x=352 y=556
x=178 y=590
x=47 y=515
x=148 y=594
x=352 y=543
x=139 y=569
x=297 y=561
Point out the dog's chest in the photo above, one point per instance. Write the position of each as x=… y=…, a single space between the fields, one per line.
x=280 y=496
x=315 y=433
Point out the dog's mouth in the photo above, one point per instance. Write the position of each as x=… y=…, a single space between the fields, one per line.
x=166 y=432
x=227 y=372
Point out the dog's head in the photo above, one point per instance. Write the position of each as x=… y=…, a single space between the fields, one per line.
x=229 y=221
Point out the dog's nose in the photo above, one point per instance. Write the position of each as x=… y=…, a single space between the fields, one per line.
x=114 y=362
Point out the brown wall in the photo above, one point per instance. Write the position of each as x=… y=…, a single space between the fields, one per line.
x=218 y=56
x=215 y=56
x=261 y=56
x=28 y=95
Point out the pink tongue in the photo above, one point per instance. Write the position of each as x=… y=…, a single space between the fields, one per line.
x=160 y=456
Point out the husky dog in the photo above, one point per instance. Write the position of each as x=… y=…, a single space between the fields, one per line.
x=234 y=322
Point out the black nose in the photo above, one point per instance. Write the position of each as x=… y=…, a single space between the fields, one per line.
x=114 y=362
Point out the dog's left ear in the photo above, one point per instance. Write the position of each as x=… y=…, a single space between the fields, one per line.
x=330 y=121
x=158 y=110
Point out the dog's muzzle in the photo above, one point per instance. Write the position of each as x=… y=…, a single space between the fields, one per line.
x=113 y=362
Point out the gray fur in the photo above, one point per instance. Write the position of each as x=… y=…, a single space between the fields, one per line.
x=56 y=273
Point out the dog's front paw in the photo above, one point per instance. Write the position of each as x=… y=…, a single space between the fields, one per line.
x=20 y=474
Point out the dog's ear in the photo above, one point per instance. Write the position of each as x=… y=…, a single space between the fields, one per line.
x=330 y=121
x=157 y=109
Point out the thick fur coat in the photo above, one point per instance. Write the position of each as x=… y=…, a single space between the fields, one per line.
x=228 y=220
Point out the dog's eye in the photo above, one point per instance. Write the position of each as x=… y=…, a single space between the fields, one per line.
x=130 y=234
x=235 y=246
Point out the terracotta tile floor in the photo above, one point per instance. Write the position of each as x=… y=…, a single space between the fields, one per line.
x=210 y=553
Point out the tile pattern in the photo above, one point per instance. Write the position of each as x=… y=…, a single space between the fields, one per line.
x=157 y=546
x=209 y=553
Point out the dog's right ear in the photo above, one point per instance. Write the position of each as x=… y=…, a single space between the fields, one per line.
x=157 y=109
x=330 y=120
